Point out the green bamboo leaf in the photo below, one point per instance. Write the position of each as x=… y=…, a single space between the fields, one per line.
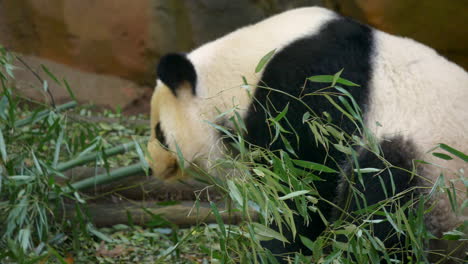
x=264 y=60
x=330 y=79
x=235 y=193
x=307 y=242
x=442 y=156
x=36 y=164
x=180 y=157
x=313 y=166
x=453 y=235
x=293 y=194
x=336 y=76
x=69 y=90
x=282 y=114
x=222 y=129
x=268 y=232
x=143 y=161
x=58 y=145
x=98 y=234
x=43 y=114
x=56 y=254
x=3 y=151
x=219 y=219
x=343 y=149
x=455 y=152
x=44 y=68
x=366 y=170
x=83 y=159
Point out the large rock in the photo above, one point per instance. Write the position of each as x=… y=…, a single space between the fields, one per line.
x=121 y=37
x=439 y=24
x=105 y=36
x=98 y=89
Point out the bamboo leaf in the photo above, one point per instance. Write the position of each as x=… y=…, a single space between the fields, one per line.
x=293 y=194
x=442 y=156
x=58 y=145
x=219 y=219
x=3 y=151
x=313 y=166
x=143 y=161
x=336 y=77
x=330 y=79
x=83 y=159
x=268 y=232
x=235 y=193
x=69 y=90
x=44 y=68
x=98 y=234
x=455 y=152
x=264 y=60
x=282 y=114
x=180 y=157
x=366 y=170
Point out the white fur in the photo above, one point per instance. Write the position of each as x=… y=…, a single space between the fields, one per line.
x=417 y=94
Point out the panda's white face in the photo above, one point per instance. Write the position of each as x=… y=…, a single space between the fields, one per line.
x=176 y=122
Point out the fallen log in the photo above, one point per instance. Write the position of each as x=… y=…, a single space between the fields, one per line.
x=141 y=186
x=183 y=215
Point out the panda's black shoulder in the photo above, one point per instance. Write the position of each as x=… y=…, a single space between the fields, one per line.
x=340 y=44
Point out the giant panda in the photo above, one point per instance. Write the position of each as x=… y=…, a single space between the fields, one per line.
x=411 y=99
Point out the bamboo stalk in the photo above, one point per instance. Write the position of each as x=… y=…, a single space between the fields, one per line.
x=43 y=114
x=140 y=186
x=92 y=156
x=106 y=177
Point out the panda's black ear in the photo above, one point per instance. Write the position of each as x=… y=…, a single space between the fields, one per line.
x=174 y=69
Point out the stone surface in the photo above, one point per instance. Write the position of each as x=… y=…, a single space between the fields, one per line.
x=105 y=36
x=99 y=89
x=125 y=38
x=120 y=38
x=442 y=25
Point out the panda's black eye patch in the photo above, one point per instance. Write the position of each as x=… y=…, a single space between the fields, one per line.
x=160 y=135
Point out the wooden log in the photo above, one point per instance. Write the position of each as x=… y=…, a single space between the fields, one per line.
x=183 y=215
x=143 y=187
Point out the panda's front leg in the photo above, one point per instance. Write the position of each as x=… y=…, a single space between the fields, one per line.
x=390 y=187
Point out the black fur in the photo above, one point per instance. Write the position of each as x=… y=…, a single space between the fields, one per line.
x=160 y=135
x=174 y=69
x=340 y=44
x=399 y=154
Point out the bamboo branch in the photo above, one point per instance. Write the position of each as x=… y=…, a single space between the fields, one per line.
x=139 y=186
x=92 y=156
x=106 y=177
x=43 y=114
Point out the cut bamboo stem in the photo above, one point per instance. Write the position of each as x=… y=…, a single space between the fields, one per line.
x=43 y=114
x=106 y=177
x=92 y=156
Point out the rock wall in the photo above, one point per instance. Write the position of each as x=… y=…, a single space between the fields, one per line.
x=442 y=25
x=121 y=37
x=104 y=37
x=99 y=89
x=125 y=38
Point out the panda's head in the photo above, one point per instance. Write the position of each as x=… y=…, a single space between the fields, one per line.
x=177 y=120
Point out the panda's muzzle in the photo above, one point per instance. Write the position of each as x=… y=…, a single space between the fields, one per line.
x=171 y=172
